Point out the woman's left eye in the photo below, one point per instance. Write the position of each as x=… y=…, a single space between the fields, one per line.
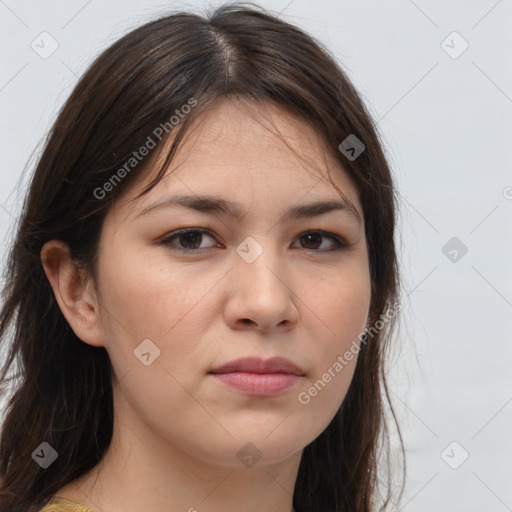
x=193 y=238
x=312 y=236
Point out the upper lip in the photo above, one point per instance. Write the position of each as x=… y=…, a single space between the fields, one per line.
x=257 y=365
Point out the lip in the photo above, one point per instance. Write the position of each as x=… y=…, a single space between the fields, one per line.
x=257 y=377
x=257 y=365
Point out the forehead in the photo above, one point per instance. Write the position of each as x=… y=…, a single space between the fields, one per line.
x=240 y=150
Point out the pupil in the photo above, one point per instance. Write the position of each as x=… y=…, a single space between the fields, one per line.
x=313 y=235
x=189 y=238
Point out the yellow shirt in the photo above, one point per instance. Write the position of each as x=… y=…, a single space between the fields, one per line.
x=58 y=504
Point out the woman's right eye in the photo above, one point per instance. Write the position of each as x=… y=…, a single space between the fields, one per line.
x=191 y=237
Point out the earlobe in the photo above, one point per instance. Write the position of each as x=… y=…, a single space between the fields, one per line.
x=74 y=292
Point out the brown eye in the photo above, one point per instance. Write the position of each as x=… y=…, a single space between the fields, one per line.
x=189 y=241
x=313 y=240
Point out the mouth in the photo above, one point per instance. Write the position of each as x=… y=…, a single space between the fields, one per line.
x=257 y=377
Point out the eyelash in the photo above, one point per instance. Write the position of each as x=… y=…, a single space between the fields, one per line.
x=167 y=241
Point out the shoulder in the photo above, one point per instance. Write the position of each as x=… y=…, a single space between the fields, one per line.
x=58 y=504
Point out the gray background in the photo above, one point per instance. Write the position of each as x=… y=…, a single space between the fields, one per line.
x=446 y=123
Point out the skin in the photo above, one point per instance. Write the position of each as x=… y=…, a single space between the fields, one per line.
x=177 y=430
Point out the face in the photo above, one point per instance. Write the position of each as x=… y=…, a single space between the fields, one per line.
x=183 y=292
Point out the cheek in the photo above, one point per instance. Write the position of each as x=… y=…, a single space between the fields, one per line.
x=322 y=394
x=146 y=298
x=342 y=305
x=143 y=299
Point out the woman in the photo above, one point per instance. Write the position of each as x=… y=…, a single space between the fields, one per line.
x=204 y=282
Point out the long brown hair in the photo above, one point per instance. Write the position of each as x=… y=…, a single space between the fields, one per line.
x=63 y=393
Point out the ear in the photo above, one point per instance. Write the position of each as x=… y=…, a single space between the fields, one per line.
x=74 y=291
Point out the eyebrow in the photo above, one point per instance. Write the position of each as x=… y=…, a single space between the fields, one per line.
x=214 y=204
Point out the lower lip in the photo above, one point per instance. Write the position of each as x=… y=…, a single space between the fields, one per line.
x=258 y=384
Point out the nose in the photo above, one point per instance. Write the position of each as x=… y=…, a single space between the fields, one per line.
x=261 y=295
